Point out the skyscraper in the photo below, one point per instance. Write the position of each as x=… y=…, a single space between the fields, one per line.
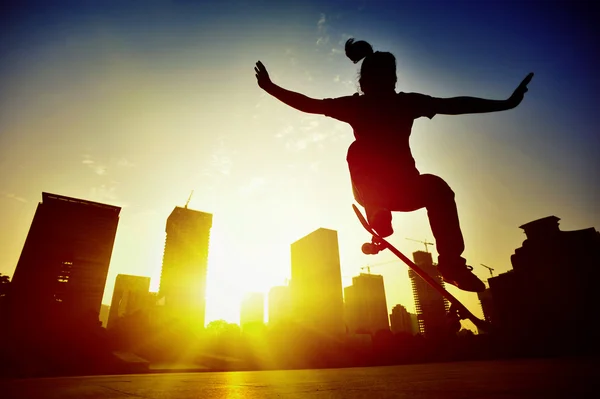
x=549 y=297
x=430 y=305
x=131 y=294
x=61 y=274
x=252 y=312
x=401 y=320
x=366 y=306
x=316 y=284
x=280 y=309
x=185 y=263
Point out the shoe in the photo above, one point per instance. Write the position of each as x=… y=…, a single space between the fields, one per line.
x=380 y=219
x=460 y=275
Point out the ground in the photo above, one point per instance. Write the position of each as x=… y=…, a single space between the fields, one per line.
x=534 y=378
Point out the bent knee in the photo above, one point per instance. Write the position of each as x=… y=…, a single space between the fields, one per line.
x=436 y=186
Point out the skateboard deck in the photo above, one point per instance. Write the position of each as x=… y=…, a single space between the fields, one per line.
x=457 y=311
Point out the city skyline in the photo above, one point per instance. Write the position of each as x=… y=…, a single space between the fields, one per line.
x=136 y=106
x=308 y=245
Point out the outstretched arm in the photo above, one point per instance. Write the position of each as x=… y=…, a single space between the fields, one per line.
x=473 y=105
x=291 y=98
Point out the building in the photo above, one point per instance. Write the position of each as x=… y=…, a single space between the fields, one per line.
x=104 y=312
x=185 y=262
x=365 y=304
x=61 y=273
x=280 y=303
x=552 y=285
x=430 y=305
x=487 y=305
x=131 y=294
x=401 y=321
x=316 y=284
x=252 y=312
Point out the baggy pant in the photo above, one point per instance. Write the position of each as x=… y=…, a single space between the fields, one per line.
x=414 y=193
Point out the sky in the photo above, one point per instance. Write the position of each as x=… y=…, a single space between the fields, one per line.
x=139 y=103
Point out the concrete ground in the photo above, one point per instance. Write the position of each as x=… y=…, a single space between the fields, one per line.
x=536 y=378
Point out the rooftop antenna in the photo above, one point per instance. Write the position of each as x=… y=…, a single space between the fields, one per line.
x=489 y=268
x=188 y=200
x=422 y=242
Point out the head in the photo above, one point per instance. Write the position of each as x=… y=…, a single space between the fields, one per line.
x=378 y=70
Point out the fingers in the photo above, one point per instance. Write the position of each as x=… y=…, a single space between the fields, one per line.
x=260 y=67
x=525 y=82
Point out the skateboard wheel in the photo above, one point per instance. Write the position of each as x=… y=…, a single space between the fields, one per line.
x=369 y=249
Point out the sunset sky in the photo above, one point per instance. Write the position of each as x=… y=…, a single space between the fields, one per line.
x=137 y=103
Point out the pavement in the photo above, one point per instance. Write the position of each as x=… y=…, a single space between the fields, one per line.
x=531 y=378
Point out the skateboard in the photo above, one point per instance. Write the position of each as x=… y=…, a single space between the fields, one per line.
x=457 y=310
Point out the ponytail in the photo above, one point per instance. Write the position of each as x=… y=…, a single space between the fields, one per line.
x=356 y=51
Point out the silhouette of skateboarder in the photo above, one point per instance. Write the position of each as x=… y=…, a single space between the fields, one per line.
x=382 y=169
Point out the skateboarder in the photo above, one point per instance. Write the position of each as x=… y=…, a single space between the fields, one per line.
x=382 y=169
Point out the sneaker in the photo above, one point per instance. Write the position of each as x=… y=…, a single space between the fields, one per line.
x=461 y=276
x=380 y=219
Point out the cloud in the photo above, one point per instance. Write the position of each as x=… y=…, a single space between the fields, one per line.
x=104 y=193
x=323 y=36
x=15 y=197
x=252 y=186
x=220 y=161
x=98 y=169
x=125 y=163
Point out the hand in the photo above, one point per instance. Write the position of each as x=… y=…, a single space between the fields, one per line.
x=517 y=96
x=262 y=76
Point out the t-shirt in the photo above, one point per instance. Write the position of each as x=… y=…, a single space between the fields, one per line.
x=382 y=127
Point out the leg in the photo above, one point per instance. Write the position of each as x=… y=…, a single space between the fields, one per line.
x=437 y=197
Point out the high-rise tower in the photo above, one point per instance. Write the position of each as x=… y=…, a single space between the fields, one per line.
x=316 y=284
x=366 y=306
x=430 y=305
x=131 y=294
x=61 y=274
x=185 y=263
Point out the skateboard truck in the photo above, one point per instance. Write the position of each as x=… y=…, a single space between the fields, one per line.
x=373 y=247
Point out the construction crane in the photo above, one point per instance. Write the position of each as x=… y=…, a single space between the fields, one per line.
x=489 y=268
x=422 y=242
x=368 y=268
x=188 y=200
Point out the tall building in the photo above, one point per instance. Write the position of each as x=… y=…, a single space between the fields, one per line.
x=366 y=306
x=185 y=263
x=252 y=312
x=104 y=313
x=553 y=285
x=487 y=304
x=280 y=305
x=430 y=305
x=61 y=273
x=131 y=294
x=401 y=320
x=316 y=284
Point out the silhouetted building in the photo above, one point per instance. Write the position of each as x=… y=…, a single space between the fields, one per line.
x=252 y=312
x=104 y=312
x=401 y=321
x=552 y=286
x=185 y=263
x=487 y=304
x=430 y=305
x=61 y=274
x=316 y=284
x=366 y=306
x=280 y=305
x=131 y=294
